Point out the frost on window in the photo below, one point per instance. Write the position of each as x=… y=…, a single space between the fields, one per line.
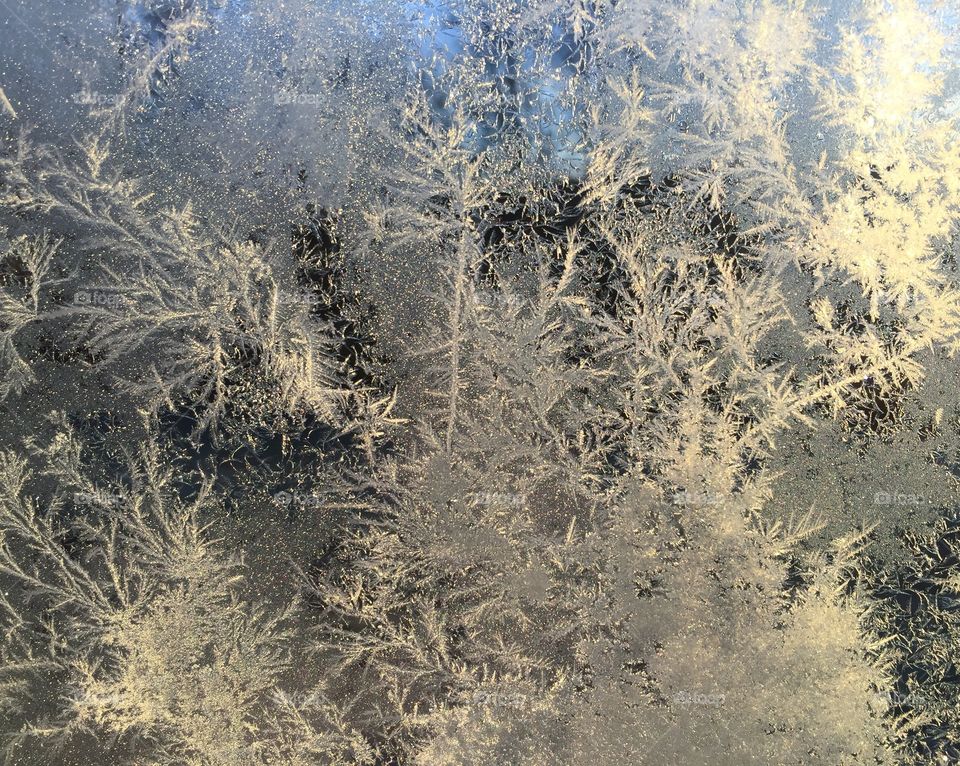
x=479 y=382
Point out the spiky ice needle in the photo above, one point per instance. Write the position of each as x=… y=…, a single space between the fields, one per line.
x=7 y=106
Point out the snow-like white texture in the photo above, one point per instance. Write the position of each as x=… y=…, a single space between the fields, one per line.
x=477 y=326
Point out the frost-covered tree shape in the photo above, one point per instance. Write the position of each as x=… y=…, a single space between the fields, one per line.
x=26 y=262
x=895 y=206
x=203 y=304
x=144 y=648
